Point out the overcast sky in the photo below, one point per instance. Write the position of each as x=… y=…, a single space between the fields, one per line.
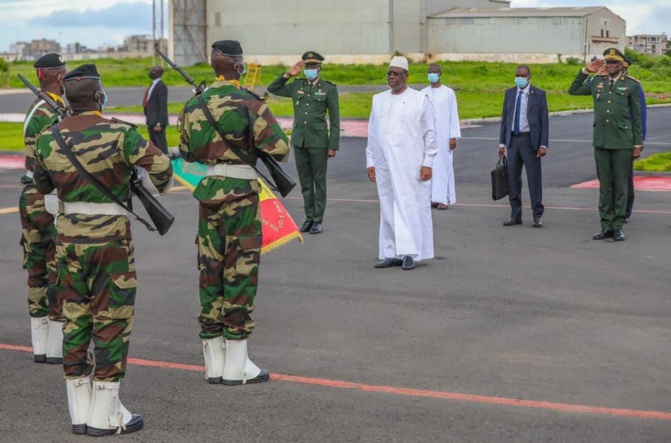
x=94 y=23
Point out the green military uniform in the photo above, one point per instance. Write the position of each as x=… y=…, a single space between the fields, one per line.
x=617 y=130
x=310 y=135
x=229 y=223
x=95 y=254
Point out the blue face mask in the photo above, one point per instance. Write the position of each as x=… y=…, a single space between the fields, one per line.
x=521 y=82
x=311 y=74
x=433 y=77
x=105 y=98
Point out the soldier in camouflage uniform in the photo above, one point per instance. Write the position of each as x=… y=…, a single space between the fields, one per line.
x=37 y=225
x=94 y=248
x=229 y=223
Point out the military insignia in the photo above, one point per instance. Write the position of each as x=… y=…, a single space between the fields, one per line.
x=60 y=59
x=612 y=52
x=300 y=91
x=311 y=55
x=599 y=85
x=621 y=88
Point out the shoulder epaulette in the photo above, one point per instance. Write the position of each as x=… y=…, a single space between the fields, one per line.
x=253 y=94
x=633 y=78
x=116 y=120
x=330 y=83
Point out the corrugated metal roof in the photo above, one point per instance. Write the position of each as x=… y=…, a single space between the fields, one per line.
x=578 y=11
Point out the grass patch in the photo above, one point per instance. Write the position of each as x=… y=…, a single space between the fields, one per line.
x=659 y=162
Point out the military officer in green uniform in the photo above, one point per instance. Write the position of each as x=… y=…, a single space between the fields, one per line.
x=617 y=135
x=313 y=142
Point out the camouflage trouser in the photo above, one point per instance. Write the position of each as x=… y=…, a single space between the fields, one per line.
x=37 y=239
x=98 y=285
x=229 y=250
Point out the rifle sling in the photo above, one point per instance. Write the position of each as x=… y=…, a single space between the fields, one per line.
x=236 y=151
x=67 y=150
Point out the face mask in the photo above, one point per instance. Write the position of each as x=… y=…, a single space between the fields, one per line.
x=311 y=74
x=102 y=105
x=521 y=82
x=433 y=77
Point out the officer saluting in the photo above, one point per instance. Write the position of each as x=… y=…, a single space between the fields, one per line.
x=617 y=135
x=94 y=247
x=312 y=98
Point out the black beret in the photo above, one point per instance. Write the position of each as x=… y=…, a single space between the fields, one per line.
x=312 y=57
x=627 y=62
x=229 y=47
x=613 y=54
x=49 y=61
x=83 y=72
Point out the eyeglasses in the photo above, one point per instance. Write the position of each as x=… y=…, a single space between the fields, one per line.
x=394 y=73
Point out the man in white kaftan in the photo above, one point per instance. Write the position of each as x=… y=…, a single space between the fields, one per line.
x=399 y=157
x=444 y=100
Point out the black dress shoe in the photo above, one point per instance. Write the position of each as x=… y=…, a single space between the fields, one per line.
x=604 y=233
x=316 y=228
x=408 y=263
x=388 y=263
x=512 y=222
x=305 y=227
x=618 y=235
x=538 y=223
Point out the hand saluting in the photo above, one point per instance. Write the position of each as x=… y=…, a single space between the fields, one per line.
x=296 y=69
x=595 y=65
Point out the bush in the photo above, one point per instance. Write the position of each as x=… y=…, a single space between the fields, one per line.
x=573 y=61
x=4 y=73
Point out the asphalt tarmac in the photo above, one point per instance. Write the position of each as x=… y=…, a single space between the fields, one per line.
x=511 y=334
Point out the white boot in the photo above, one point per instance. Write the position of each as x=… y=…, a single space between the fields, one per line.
x=107 y=415
x=55 y=348
x=238 y=368
x=79 y=402
x=39 y=331
x=213 y=351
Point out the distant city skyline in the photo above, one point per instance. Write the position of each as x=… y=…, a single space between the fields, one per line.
x=108 y=23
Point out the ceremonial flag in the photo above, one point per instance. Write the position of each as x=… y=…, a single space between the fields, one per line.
x=277 y=225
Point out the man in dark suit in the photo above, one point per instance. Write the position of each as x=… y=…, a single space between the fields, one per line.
x=525 y=133
x=155 y=103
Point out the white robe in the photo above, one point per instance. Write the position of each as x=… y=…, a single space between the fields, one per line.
x=402 y=139
x=447 y=126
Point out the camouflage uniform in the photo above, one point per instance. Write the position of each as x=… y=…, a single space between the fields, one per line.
x=37 y=225
x=95 y=253
x=229 y=223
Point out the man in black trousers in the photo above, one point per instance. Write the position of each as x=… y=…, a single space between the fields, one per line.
x=525 y=133
x=155 y=103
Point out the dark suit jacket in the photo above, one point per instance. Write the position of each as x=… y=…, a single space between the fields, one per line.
x=157 y=105
x=537 y=114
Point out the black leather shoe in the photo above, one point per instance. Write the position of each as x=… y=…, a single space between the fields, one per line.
x=618 y=235
x=388 y=263
x=604 y=233
x=512 y=222
x=538 y=223
x=305 y=227
x=408 y=263
x=316 y=228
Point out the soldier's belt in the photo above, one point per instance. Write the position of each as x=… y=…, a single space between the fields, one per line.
x=29 y=174
x=244 y=172
x=91 y=208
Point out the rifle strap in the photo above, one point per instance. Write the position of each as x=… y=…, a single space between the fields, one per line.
x=67 y=150
x=231 y=146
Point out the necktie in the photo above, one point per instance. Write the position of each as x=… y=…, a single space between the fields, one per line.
x=144 y=99
x=518 y=108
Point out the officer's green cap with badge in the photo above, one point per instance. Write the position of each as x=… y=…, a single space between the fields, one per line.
x=83 y=72
x=49 y=61
x=613 y=54
x=229 y=48
x=312 y=57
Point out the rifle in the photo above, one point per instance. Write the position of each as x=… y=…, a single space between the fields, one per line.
x=281 y=181
x=161 y=218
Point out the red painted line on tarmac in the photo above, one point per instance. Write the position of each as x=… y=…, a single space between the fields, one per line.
x=467 y=398
x=641 y=183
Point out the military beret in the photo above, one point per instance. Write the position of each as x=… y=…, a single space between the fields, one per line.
x=229 y=47
x=627 y=62
x=83 y=72
x=312 y=57
x=49 y=61
x=613 y=54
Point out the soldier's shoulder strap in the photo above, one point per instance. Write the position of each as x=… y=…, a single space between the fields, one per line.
x=329 y=83
x=632 y=78
x=253 y=94
x=123 y=122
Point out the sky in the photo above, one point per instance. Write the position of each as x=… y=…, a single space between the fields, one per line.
x=95 y=23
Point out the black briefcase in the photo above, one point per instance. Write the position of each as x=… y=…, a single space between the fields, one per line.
x=500 y=179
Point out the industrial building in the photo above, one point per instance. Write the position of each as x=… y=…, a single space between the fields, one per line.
x=356 y=31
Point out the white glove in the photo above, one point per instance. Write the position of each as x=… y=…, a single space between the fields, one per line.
x=144 y=178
